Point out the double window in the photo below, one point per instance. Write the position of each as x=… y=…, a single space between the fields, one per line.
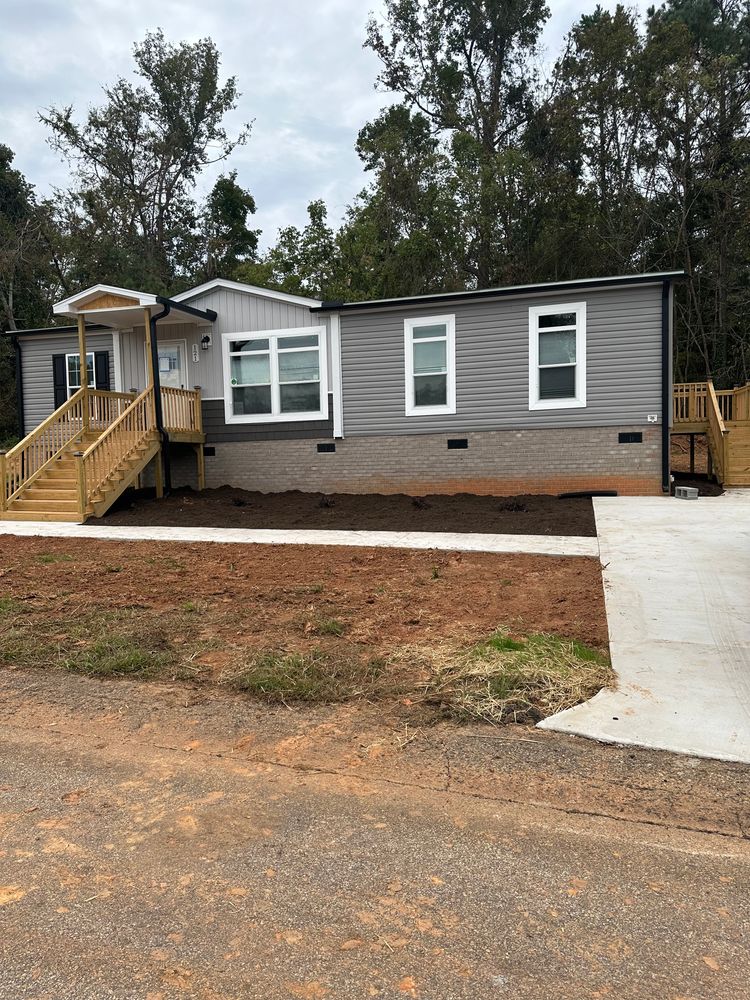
x=430 y=352
x=73 y=372
x=275 y=375
x=557 y=356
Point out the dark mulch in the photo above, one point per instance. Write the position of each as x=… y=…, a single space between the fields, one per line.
x=232 y=508
x=706 y=487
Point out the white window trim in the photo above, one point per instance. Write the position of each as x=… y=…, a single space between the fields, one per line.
x=579 y=400
x=76 y=354
x=276 y=416
x=450 y=357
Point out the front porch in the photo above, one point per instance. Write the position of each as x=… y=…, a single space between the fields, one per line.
x=97 y=443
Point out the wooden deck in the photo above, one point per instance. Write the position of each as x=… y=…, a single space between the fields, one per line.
x=79 y=460
x=723 y=415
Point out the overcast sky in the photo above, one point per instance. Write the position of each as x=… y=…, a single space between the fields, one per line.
x=305 y=79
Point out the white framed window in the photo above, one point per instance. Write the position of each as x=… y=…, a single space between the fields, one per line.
x=430 y=355
x=275 y=375
x=73 y=372
x=557 y=356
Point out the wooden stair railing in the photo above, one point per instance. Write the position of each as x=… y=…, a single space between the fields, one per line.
x=86 y=410
x=716 y=433
x=131 y=431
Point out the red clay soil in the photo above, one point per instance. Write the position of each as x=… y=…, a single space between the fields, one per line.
x=233 y=508
x=259 y=597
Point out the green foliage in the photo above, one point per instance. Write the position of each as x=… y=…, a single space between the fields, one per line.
x=312 y=677
x=131 y=219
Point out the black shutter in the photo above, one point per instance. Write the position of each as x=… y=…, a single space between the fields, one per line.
x=59 y=379
x=101 y=370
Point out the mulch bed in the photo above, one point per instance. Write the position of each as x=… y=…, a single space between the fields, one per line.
x=233 y=508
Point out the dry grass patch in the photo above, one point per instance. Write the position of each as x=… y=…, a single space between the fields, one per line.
x=515 y=679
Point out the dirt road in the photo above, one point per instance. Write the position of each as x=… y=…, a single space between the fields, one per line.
x=160 y=842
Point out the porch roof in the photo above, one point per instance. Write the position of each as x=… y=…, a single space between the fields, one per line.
x=123 y=308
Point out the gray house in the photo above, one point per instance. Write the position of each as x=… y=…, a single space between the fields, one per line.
x=545 y=388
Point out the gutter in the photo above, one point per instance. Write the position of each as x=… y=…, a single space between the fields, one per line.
x=564 y=287
x=19 y=387
x=168 y=305
x=666 y=385
x=158 y=411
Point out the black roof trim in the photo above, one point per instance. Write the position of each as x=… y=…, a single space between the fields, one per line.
x=208 y=314
x=490 y=293
x=92 y=328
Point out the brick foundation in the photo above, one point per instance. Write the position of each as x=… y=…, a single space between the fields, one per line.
x=500 y=463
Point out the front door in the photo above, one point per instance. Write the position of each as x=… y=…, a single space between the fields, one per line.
x=172 y=363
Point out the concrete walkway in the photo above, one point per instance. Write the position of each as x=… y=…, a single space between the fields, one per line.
x=453 y=541
x=677 y=588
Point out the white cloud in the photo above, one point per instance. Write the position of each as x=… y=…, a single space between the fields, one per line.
x=305 y=79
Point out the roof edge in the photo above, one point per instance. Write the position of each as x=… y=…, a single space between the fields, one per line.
x=68 y=328
x=651 y=278
x=239 y=286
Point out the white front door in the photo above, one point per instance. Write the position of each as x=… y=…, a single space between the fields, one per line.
x=173 y=363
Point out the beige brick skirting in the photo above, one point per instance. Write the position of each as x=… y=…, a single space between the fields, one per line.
x=500 y=463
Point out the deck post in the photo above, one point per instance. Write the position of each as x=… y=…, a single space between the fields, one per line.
x=3 y=482
x=81 y=479
x=692 y=454
x=159 y=474
x=84 y=368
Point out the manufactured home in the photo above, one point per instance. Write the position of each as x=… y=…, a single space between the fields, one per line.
x=556 y=387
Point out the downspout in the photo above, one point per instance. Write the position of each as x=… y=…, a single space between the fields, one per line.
x=666 y=383
x=166 y=465
x=19 y=388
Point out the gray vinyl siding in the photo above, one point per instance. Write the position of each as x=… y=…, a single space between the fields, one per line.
x=623 y=339
x=217 y=429
x=38 y=383
x=237 y=312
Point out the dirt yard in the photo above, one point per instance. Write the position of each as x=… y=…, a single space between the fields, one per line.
x=306 y=623
x=231 y=508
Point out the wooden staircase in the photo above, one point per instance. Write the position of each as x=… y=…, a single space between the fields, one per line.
x=723 y=415
x=82 y=458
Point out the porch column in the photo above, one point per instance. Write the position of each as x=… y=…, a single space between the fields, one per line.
x=84 y=368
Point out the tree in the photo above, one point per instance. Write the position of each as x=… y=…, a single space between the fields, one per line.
x=228 y=240
x=24 y=275
x=136 y=160
x=302 y=262
x=468 y=67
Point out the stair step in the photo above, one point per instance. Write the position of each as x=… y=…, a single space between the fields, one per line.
x=37 y=492
x=25 y=515
x=45 y=506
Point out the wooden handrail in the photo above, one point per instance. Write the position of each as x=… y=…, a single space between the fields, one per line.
x=26 y=460
x=131 y=429
x=181 y=409
x=716 y=432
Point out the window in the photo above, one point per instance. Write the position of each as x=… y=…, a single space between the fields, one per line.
x=73 y=371
x=430 y=352
x=557 y=356
x=275 y=375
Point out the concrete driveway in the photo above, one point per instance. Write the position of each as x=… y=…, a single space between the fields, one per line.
x=677 y=590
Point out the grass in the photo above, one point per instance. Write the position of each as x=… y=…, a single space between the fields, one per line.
x=121 y=656
x=517 y=679
x=9 y=606
x=50 y=557
x=329 y=626
x=315 y=676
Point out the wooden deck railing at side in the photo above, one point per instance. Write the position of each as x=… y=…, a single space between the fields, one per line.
x=181 y=410
x=716 y=432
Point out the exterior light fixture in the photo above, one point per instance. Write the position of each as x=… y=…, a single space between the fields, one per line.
x=206 y=342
